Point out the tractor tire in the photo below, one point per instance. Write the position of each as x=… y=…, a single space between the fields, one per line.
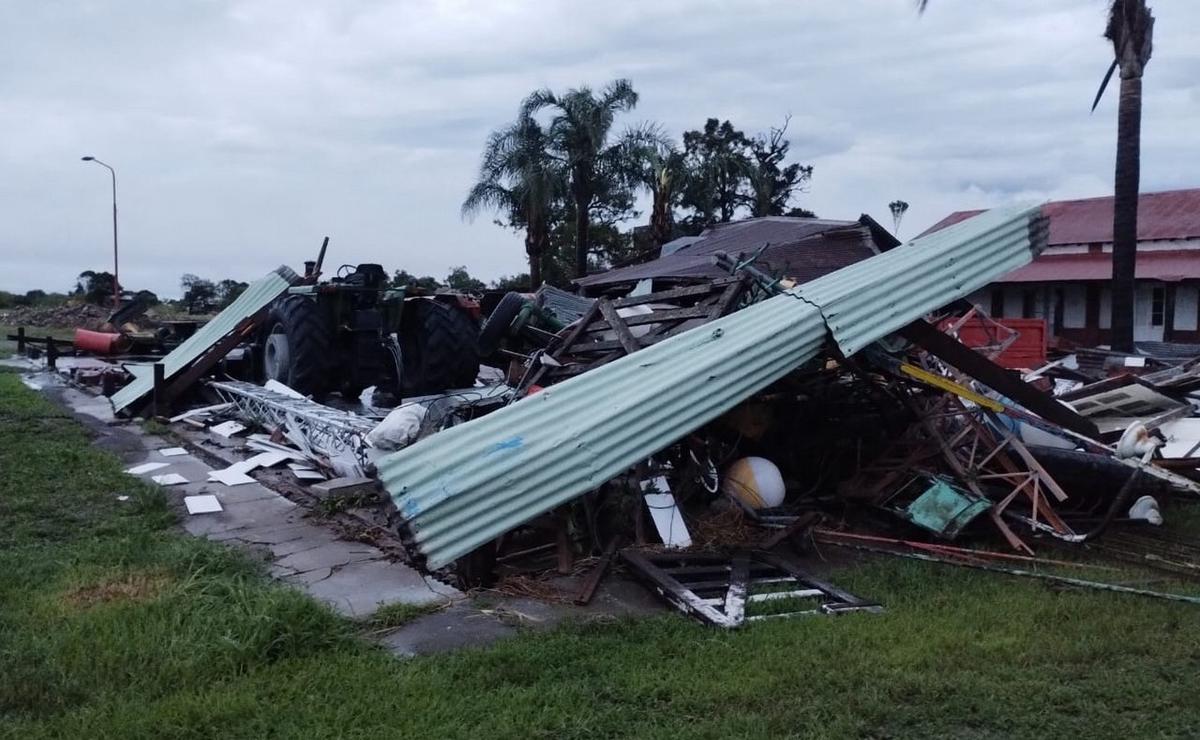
x=440 y=348
x=297 y=343
x=496 y=326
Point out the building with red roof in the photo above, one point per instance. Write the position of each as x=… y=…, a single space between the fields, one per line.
x=1068 y=285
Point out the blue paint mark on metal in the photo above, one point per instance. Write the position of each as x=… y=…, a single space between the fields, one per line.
x=511 y=443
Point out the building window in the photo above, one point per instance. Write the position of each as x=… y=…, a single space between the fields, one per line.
x=997 y=303
x=1158 y=304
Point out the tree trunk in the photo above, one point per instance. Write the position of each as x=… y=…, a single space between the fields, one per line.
x=1125 y=212
x=533 y=249
x=581 y=231
x=660 y=219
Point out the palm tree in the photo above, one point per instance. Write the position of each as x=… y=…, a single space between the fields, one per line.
x=521 y=179
x=579 y=131
x=898 y=208
x=1130 y=29
x=656 y=164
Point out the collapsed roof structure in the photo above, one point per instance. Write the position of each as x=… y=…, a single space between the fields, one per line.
x=802 y=249
x=470 y=483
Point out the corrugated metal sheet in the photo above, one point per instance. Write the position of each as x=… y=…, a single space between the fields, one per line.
x=566 y=307
x=862 y=305
x=1173 y=214
x=254 y=298
x=470 y=483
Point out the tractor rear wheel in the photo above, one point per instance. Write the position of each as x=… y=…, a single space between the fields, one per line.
x=297 y=341
x=439 y=344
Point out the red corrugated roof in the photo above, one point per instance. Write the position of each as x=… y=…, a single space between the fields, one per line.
x=1165 y=266
x=1174 y=214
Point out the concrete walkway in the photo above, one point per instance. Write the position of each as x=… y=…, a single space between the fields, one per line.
x=355 y=578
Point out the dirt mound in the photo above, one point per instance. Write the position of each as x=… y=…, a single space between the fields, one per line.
x=67 y=316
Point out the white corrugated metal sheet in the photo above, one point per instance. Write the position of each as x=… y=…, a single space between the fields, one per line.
x=468 y=484
x=260 y=294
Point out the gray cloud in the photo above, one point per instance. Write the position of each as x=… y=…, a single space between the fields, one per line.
x=245 y=131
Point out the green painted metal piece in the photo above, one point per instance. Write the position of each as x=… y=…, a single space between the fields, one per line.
x=943 y=509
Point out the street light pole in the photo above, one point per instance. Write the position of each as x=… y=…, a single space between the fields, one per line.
x=116 y=271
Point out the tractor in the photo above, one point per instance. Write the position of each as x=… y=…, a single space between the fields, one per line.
x=355 y=331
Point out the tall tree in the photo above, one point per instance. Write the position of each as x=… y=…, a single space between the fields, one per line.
x=718 y=161
x=198 y=293
x=772 y=183
x=94 y=287
x=228 y=290
x=1130 y=29
x=579 y=129
x=657 y=165
x=461 y=281
x=520 y=178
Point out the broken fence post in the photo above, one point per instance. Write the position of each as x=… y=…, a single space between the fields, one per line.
x=20 y=340
x=51 y=353
x=160 y=399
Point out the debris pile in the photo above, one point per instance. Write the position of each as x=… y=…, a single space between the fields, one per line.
x=704 y=435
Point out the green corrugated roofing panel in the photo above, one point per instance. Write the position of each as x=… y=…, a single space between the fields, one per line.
x=260 y=294
x=468 y=484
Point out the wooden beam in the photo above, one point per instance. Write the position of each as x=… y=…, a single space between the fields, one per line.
x=628 y=343
x=997 y=378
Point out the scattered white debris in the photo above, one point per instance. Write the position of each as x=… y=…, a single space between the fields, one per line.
x=231 y=476
x=172 y=451
x=305 y=474
x=206 y=504
x=265 y=460
x=146 y=467
x=202 y=411
x=346 y=486
x=399 y=428
x=665 y=513
x=122 y=498
x=30 y=384
x=228 y=429
x=263 y=443
x=170 y=479
x=299 y=466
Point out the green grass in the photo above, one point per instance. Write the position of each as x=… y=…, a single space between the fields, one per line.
x=8 y=348
x=112 y=625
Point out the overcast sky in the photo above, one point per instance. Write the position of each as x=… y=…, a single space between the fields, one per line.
x=244 y=131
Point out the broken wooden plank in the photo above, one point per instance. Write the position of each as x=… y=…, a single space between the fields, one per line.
x=624 y=336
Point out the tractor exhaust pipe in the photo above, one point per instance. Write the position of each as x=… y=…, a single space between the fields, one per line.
x=312 y=270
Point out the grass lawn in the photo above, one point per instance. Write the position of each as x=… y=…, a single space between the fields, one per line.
x=114 y=625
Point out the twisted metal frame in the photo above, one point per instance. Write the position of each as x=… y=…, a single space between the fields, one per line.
x=326 y=430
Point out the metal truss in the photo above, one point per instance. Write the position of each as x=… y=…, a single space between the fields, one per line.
x=319 y=429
